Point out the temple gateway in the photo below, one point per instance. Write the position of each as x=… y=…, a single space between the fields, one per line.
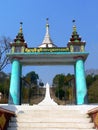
x=48 y=54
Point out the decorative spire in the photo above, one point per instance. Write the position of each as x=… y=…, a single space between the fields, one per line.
x=47 y=26
x=74 y=27
x=75 y=40
x=73 y=21
x=19 y=40
x=20 y=31
x=75 y=37
x=47 y=42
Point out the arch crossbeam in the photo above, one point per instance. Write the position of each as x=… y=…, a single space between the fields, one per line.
x=48 y=58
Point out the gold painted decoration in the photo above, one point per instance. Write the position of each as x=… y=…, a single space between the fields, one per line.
x=96 y=120
x=2 y=121
x=46 y=49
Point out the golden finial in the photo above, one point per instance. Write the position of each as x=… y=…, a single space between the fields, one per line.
x=47 y=24
x=21 y=23
x=73 y=21
x=74 y=26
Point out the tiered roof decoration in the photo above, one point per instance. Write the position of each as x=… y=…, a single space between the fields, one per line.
x=74 y=45
x=75 y=38
x=19 y=40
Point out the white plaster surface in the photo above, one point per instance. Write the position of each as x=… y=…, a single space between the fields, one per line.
x=47 y=100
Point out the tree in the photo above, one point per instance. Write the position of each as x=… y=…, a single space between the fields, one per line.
x=93 y=92
x=41 y=84
x=63 y=86
x=4 y=48
x=95 y=77
x=89 y=80
x=60 y=93
x=32 y=78
x=59 y=80
x=4 y=85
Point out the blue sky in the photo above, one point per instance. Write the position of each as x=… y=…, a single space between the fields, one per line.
x=33 y=14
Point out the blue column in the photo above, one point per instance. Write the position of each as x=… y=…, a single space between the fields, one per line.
x=15 y=90
x=81 y=89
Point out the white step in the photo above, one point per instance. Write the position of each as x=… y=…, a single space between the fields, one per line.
x=53 y=125
x=24 y=128
x=52 y=113
x=50 y=119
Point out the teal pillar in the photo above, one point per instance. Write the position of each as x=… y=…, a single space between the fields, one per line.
x=15 y=83
x=81 y=88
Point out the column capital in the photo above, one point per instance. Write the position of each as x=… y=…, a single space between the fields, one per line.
x=17 y=58
x=79 y=57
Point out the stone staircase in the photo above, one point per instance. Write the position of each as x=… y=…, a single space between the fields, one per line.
x=48 y=115
x=51 y=118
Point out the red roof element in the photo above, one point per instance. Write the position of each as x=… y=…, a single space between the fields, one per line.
x=75 y=38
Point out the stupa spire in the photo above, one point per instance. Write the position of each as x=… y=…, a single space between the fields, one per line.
x=47 y=42
x=20 y=30
x=74 y=28
x=47 y=38
x=47 y=26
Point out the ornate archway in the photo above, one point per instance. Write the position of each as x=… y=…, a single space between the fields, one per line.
x=48 y=54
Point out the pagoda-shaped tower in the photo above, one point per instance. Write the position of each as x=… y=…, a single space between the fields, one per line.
x=47 y=42
x=19 y=43
x=17 y=47
x=75 y=44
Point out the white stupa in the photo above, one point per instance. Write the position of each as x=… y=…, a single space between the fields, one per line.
x=47 y=42
x=47 y=100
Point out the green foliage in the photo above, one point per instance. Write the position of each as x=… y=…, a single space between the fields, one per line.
x=95 y=77
x=25 y=94
x=69 y=77
x=1 y=88
x=59 y=80
x=63 y=86
x=60 y=93
x=30 y=86
x=4 y=86
x=41 y=84
x=93 y=92
x=32 y=78
x=92 y=85
x=89 y=80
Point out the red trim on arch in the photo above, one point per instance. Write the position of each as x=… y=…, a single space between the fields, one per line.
x=19 y=58
x=78 y=57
